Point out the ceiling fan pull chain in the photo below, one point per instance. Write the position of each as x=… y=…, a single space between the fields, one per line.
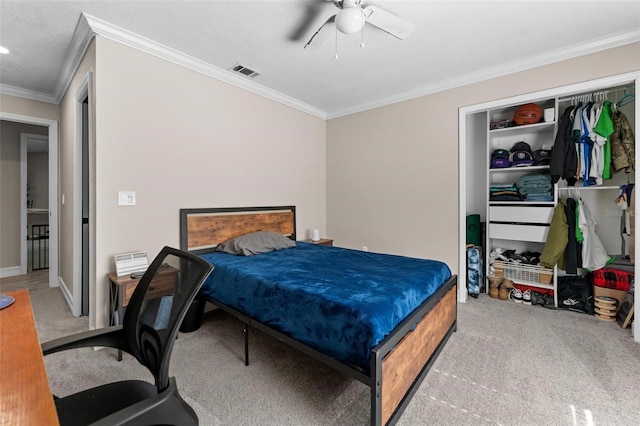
x=337 y=42
x=362 y=31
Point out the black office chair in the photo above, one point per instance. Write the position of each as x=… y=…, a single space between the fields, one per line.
x=150 y=326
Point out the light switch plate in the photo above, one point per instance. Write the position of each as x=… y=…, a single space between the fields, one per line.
x=126 y=198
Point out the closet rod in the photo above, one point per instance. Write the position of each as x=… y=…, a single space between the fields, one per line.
x=604 y=91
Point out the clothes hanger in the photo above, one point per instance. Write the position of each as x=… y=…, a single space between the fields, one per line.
x=575 y=190
x=577 y=196
x=626 y=99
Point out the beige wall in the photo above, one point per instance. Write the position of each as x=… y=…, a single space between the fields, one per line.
x=21 y=106
x=392 y=172
x=385 y=178
x=10 y=188
x=184 y=140
x=38 y=179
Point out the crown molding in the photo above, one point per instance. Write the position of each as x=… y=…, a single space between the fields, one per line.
x=82 y=37
x=88 y=27
x=5 y=89
x=127 y=38
x=546 y=58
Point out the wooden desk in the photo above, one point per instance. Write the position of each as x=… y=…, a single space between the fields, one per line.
x=25 y=396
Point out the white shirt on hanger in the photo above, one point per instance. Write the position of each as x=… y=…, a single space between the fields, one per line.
x=594 y=256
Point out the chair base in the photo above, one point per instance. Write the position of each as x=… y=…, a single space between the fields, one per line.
x=131 y=402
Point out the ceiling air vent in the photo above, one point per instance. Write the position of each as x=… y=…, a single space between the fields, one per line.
x=241 y=69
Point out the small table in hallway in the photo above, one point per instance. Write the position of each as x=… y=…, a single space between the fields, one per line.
x=25 y=395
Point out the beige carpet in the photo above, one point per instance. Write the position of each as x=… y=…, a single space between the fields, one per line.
x=508 y=364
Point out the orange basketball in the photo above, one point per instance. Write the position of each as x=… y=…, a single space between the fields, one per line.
x=527 y=114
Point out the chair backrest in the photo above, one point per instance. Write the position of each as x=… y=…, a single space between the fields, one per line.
x=158 y=306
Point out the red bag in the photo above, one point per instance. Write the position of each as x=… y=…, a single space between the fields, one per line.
x=612 y=278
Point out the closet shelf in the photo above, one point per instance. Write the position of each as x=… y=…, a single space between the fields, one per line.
x=589 y=188
x=518 y=169
x=547 y=125
x=534 y=284
x=522 y=203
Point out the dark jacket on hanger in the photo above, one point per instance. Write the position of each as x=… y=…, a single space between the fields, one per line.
x=564 y=159
x=574 y=248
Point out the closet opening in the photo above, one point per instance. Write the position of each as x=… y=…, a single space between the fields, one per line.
x=520 y=224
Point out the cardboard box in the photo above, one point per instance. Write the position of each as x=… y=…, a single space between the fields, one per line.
x=608 y=292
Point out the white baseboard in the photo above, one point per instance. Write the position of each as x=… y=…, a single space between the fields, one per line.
x=10 y=271
x=68 y=297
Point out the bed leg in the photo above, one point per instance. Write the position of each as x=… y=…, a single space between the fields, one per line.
x=246 y=344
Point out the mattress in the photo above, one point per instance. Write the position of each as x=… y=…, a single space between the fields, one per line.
x=339 y=301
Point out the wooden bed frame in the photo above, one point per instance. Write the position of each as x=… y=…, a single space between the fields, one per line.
x=398 y=364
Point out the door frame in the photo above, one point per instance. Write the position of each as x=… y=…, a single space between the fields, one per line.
x=85 y=90
x=24 y=142
x=53 y=188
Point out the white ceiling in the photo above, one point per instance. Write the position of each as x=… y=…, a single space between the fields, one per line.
x=454 y=43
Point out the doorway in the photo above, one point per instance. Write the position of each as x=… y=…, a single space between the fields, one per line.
x=84 y=131
x=52 y=126
x=84 y=209
x=34 y=203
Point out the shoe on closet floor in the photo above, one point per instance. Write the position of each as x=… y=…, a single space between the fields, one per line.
x=548 y=303
x=515 y=295
x=537 y=298
x=494 y=286
x=505 y=288
x=526 y=297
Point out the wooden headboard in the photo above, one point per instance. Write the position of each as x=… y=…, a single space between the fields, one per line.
x=202 y=229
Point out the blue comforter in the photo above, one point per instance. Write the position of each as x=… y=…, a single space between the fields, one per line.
x=339 y=301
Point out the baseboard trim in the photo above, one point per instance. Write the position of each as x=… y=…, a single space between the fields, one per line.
x=10 y=271
x=68 y=297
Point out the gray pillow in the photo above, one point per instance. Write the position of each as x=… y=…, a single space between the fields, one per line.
x=255 y=243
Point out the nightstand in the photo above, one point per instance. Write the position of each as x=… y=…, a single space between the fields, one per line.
x=321 y=241
x=121 y=289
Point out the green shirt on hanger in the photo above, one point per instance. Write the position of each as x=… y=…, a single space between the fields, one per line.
x=604 y=128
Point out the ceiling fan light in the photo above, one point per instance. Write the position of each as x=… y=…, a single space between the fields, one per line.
x=350 y=20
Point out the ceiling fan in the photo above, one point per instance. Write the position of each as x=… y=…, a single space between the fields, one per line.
x=352 y=17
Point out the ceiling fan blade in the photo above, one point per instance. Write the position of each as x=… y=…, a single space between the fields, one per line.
x=388 y=22
x=320 y=37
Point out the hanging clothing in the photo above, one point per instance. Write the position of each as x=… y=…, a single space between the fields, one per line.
x=564 y=159
x=594 y=256
x=604 y=128
x=573 y=259
x=622 y=144
x=597 y=149
x=576 y=134
x=553 y=252
x=586 y=145
x=600 y=138
x=627 y=224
